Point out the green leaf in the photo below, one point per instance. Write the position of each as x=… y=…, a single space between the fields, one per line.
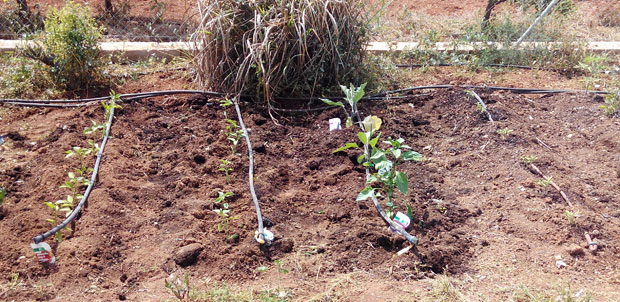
x=365 y=194
x=349 y=122
x=332 y=103
x=261 y=269
x=363 y=136
x=379 y=155
x=371 y=179
x=402 y=183
x=51 y=220
x=345 y=147
x=50 y=205
x=71 y=175
x=373 y=142
x=360 y=159
x=396 y=153
x=359 y=93
x=412 y=155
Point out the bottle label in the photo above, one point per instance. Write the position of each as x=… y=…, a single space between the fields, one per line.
x=44 y=252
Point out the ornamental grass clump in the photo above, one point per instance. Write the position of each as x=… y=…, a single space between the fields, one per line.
x=271 y=48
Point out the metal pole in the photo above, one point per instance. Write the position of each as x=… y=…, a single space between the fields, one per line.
x=544 y=13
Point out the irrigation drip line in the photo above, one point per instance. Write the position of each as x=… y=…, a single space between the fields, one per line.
x=379 y=96
x=90 y=187
x=32 y=104
x=259 y=216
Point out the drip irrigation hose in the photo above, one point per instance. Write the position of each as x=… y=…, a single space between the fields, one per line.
x=90 y=187
x=383 y=95
x=259 y=216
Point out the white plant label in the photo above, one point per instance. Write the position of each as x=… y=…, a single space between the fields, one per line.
x=335 y=124
x=268 y=235
x=44 y=252
x=401 y=219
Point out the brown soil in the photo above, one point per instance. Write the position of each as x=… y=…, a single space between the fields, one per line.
x=477 y=211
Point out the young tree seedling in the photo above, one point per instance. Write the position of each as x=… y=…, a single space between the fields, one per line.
x=503 y=133
x=352 y=96
x=224 y=224
x=385 y=163
x=179 y=288
x=224 y=167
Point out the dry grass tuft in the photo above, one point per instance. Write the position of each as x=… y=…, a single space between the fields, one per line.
x=271 y=48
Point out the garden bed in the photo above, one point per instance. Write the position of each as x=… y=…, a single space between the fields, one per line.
x=477 y=209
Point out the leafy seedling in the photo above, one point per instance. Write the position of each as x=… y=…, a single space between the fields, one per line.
x=352 y=96
x=225 y=167
x=572 y=216
x=95 y=128
x=222 y=196
x=529 y=159
x=543 y=182
x=503 y=133
x=179 y=288
x=224 y=224
x=612 y=104
x=384 y=163
x=2 y=195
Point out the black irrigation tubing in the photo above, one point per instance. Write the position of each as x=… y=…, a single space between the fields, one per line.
x=123 y=96
x=37 y=239
x=379 y=96
x=259 y=216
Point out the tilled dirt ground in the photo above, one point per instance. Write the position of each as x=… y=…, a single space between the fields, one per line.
x=477 y=209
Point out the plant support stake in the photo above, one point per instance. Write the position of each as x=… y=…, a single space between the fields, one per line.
x=542 y=15
x=259 y=216
x=93 y=179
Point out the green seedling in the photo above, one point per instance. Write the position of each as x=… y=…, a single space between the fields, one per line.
x=224 y=224
x=593 y=65
x=529 y=159
x=82 y=154
x=480 y=108
x=572 y=216
x=283 y=295
x=384 y=163
x=543 y=182
x=75 y=182
x=2 y=195
x=115 y=98
x=234 y=134
x=222 y=196
x=65 y=205
x=352 y=96
x=94 y=129
x=224 y=167
x=503 y=133
x=179 y=288
x=612 y=104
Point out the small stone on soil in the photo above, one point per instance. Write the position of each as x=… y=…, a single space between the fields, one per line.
x=188 y=254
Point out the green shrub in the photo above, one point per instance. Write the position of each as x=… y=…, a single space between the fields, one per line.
x=69 y=47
